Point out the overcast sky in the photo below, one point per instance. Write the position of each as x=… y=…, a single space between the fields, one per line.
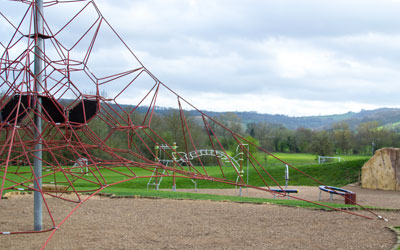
x=293 y=57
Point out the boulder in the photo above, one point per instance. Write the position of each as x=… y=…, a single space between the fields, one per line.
x=382 y=171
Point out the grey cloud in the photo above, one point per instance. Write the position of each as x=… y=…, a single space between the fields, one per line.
x=347 y=50
x=259 y=19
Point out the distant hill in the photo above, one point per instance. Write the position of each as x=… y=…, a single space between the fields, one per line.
x=386 y=117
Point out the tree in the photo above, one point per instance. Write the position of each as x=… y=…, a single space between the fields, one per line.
x=366 y=136
x=262 y=131
x=342 y=137
x=303 y=137
x=173 y=126
x=233 y=123
x=251 y=129
x=253 y=144
x=321 y=144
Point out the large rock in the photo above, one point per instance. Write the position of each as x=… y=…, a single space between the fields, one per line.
x=382 y=171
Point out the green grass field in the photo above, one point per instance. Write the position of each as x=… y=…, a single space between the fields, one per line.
x=211 y=197
x=334 y=174
x=297 y=159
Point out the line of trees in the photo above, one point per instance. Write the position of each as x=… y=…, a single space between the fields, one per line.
x=339 y=139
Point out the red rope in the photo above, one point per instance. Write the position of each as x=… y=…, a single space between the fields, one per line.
x=64 y=143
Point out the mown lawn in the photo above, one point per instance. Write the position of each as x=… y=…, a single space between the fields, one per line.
x=297 y=159
x=334 y=174
x=212 y=197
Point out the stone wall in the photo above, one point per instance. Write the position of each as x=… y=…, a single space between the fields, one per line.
x=382 y=171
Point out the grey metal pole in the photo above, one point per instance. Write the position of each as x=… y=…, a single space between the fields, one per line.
x=37 y=161
x=247 y=168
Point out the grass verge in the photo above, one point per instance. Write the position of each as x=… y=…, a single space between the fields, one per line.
x=213 y=197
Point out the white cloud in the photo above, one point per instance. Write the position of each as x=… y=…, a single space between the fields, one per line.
x=273 y=104
x=292 y=57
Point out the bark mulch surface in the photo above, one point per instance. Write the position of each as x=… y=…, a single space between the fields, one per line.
x=104 y=223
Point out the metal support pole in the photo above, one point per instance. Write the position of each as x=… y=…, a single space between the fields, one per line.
x=37 y=161
x=247 y=168
x=240 y=170
x=286 y=176
x=157 y=160
x=174 y=147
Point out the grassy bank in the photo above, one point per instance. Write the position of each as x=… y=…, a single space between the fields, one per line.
x=299 y=159
x=333 y=174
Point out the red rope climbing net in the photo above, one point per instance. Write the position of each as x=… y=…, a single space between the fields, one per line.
x=80 y=122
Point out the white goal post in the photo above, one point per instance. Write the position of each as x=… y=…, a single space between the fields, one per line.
x=322 y=159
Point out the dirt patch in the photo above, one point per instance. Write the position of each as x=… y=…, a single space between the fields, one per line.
x=104 y=223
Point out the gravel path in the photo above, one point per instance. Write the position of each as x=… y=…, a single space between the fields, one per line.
x=104 y=223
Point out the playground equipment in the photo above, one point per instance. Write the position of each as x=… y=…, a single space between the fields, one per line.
x=242 y=150
x=349 y=196
x=155 y=179
x=161 y=157
x=222 y=157
x=285 y=190
x=186 y=159
x=47 y=121
x=82 y=163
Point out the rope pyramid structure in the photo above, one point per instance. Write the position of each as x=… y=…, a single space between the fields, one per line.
x=79 y=123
